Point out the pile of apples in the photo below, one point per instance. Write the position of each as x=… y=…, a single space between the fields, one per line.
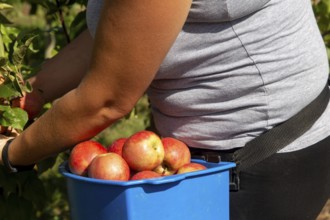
x=143 y=155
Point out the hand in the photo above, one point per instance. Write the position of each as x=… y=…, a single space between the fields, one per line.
x=8 y=131
x=3 y=141
x=32 y=103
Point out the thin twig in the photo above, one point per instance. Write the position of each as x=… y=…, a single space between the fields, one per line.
x=60 y=12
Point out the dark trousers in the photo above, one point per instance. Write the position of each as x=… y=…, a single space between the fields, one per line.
x=285 y=186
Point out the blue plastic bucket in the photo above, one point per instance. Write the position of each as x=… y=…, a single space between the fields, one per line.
x=200 y=195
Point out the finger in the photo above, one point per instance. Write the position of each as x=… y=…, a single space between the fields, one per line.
x=14 y=133
x=9 y=132
x=3 y=136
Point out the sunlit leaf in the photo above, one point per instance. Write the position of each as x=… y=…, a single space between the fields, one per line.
x=29 y=40
x=5 y=6
x=8 y=91
x=19 y=54
x=14 y=117
x=27 y=87
x=18 y=86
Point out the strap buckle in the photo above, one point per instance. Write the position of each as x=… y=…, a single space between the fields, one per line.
x=234 y=182
x=215 y=157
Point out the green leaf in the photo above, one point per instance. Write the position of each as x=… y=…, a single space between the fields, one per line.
x=34 y=190
x=78 y=25
x=5 y=6
x=29 y=41
x=19 y=54
x=327 y=4
x=18 y=86
x=46 y=164
x=27 y=87
x=3 y=61
x=14 y=117
x=7 y=91
x=4 y=20
x=51 y=8
x=7 y=182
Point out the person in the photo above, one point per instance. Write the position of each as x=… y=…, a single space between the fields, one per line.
x=217 y=73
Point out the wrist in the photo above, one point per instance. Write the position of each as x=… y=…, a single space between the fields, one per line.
x=4 y=152
x=6 y=162
x=3 y=141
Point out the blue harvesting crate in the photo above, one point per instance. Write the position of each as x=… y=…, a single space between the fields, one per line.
x=200 y=195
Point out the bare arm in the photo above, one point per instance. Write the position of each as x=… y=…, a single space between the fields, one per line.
x=132 y=40
x=59 y=74
x=64 y=71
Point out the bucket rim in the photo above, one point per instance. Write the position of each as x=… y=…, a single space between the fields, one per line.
x=211 y=168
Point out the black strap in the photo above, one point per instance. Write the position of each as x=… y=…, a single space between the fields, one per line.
x=6 y=163
x=280 y=136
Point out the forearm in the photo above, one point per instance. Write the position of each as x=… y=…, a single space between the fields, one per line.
x=64 y=71
x=71 y=119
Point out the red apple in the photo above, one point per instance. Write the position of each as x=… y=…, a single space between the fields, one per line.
x=191 y=167
x=82 y=154
x=117 y=146
x=109 y=166
x=32 y=103
x=146 y=174
x=143 y=151
x=177 y=154
x=3 y=129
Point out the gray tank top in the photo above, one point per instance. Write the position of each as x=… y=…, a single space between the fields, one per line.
x=237 y=69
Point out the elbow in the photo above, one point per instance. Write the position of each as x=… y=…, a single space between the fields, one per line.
x=102 y=107
x=110 y=112
x=107 y=110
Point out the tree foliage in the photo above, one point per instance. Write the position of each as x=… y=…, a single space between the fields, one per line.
x=322 y=14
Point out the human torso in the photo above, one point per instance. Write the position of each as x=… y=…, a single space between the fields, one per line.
x=237 y=69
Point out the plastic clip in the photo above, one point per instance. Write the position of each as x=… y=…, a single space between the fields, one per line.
x=234 y=185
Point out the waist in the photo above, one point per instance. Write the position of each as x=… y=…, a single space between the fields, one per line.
x=212 y=155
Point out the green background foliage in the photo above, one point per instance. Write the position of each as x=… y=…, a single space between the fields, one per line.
x=41 y=193
x=322 y=14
